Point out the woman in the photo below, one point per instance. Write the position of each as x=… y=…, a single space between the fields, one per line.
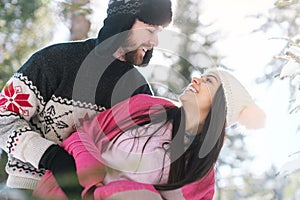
x=147 y=147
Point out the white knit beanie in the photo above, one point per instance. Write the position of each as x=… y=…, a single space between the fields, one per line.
x=240 y=106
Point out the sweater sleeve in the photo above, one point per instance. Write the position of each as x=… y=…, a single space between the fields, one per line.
x=20 y=101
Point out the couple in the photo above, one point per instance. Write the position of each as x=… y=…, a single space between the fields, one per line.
x=37 y=114
x=147 y=147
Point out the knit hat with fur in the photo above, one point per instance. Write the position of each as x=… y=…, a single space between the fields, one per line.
x=240 y=106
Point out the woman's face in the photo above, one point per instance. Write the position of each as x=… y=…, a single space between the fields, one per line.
x=200 y=92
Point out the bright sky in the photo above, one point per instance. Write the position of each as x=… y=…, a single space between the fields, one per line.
x=248 y=54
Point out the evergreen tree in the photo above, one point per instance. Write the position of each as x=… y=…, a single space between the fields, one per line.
x=76 y=15
x=24 y=27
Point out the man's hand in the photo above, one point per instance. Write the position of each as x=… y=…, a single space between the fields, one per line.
x=62 y=166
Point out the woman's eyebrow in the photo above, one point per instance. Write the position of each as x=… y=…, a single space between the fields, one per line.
x=213 y=76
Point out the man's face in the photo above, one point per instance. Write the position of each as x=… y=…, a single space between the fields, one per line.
x=142 y=38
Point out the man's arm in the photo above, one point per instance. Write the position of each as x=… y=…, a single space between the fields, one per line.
x=20 y=103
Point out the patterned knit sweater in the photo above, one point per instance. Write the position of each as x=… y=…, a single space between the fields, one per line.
x=57 y=89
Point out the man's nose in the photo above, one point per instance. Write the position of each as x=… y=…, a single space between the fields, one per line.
x=155 y=36
x=154 y=40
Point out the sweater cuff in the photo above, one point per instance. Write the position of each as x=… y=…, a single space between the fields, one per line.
x=34 y=152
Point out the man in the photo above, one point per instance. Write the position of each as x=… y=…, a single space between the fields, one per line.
x=64 y=84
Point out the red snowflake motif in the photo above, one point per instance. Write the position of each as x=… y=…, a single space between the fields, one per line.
x=14 y=100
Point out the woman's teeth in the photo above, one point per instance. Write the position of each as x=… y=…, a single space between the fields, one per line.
x=192 y=89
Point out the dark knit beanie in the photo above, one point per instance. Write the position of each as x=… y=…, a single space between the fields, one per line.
x=121 y=15
x=153 y=12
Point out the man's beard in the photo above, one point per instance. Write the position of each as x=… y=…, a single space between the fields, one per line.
x=134 y=58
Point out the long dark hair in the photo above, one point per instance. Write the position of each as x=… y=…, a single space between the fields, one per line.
x=187 y=162
x=189 y=167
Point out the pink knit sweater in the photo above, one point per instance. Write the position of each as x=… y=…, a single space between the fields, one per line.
x=107 y=152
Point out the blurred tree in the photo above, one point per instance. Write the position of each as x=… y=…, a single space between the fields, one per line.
x=24 y=27
x=3 y=159
x=292 y=189
x=269 y=185
x=233 y=160
x=187 y=20
x=76 y=16
x=284 y=18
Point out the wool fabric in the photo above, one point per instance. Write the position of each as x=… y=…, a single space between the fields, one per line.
x=241 y=108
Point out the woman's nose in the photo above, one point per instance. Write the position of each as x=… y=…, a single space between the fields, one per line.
x=197 y=81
